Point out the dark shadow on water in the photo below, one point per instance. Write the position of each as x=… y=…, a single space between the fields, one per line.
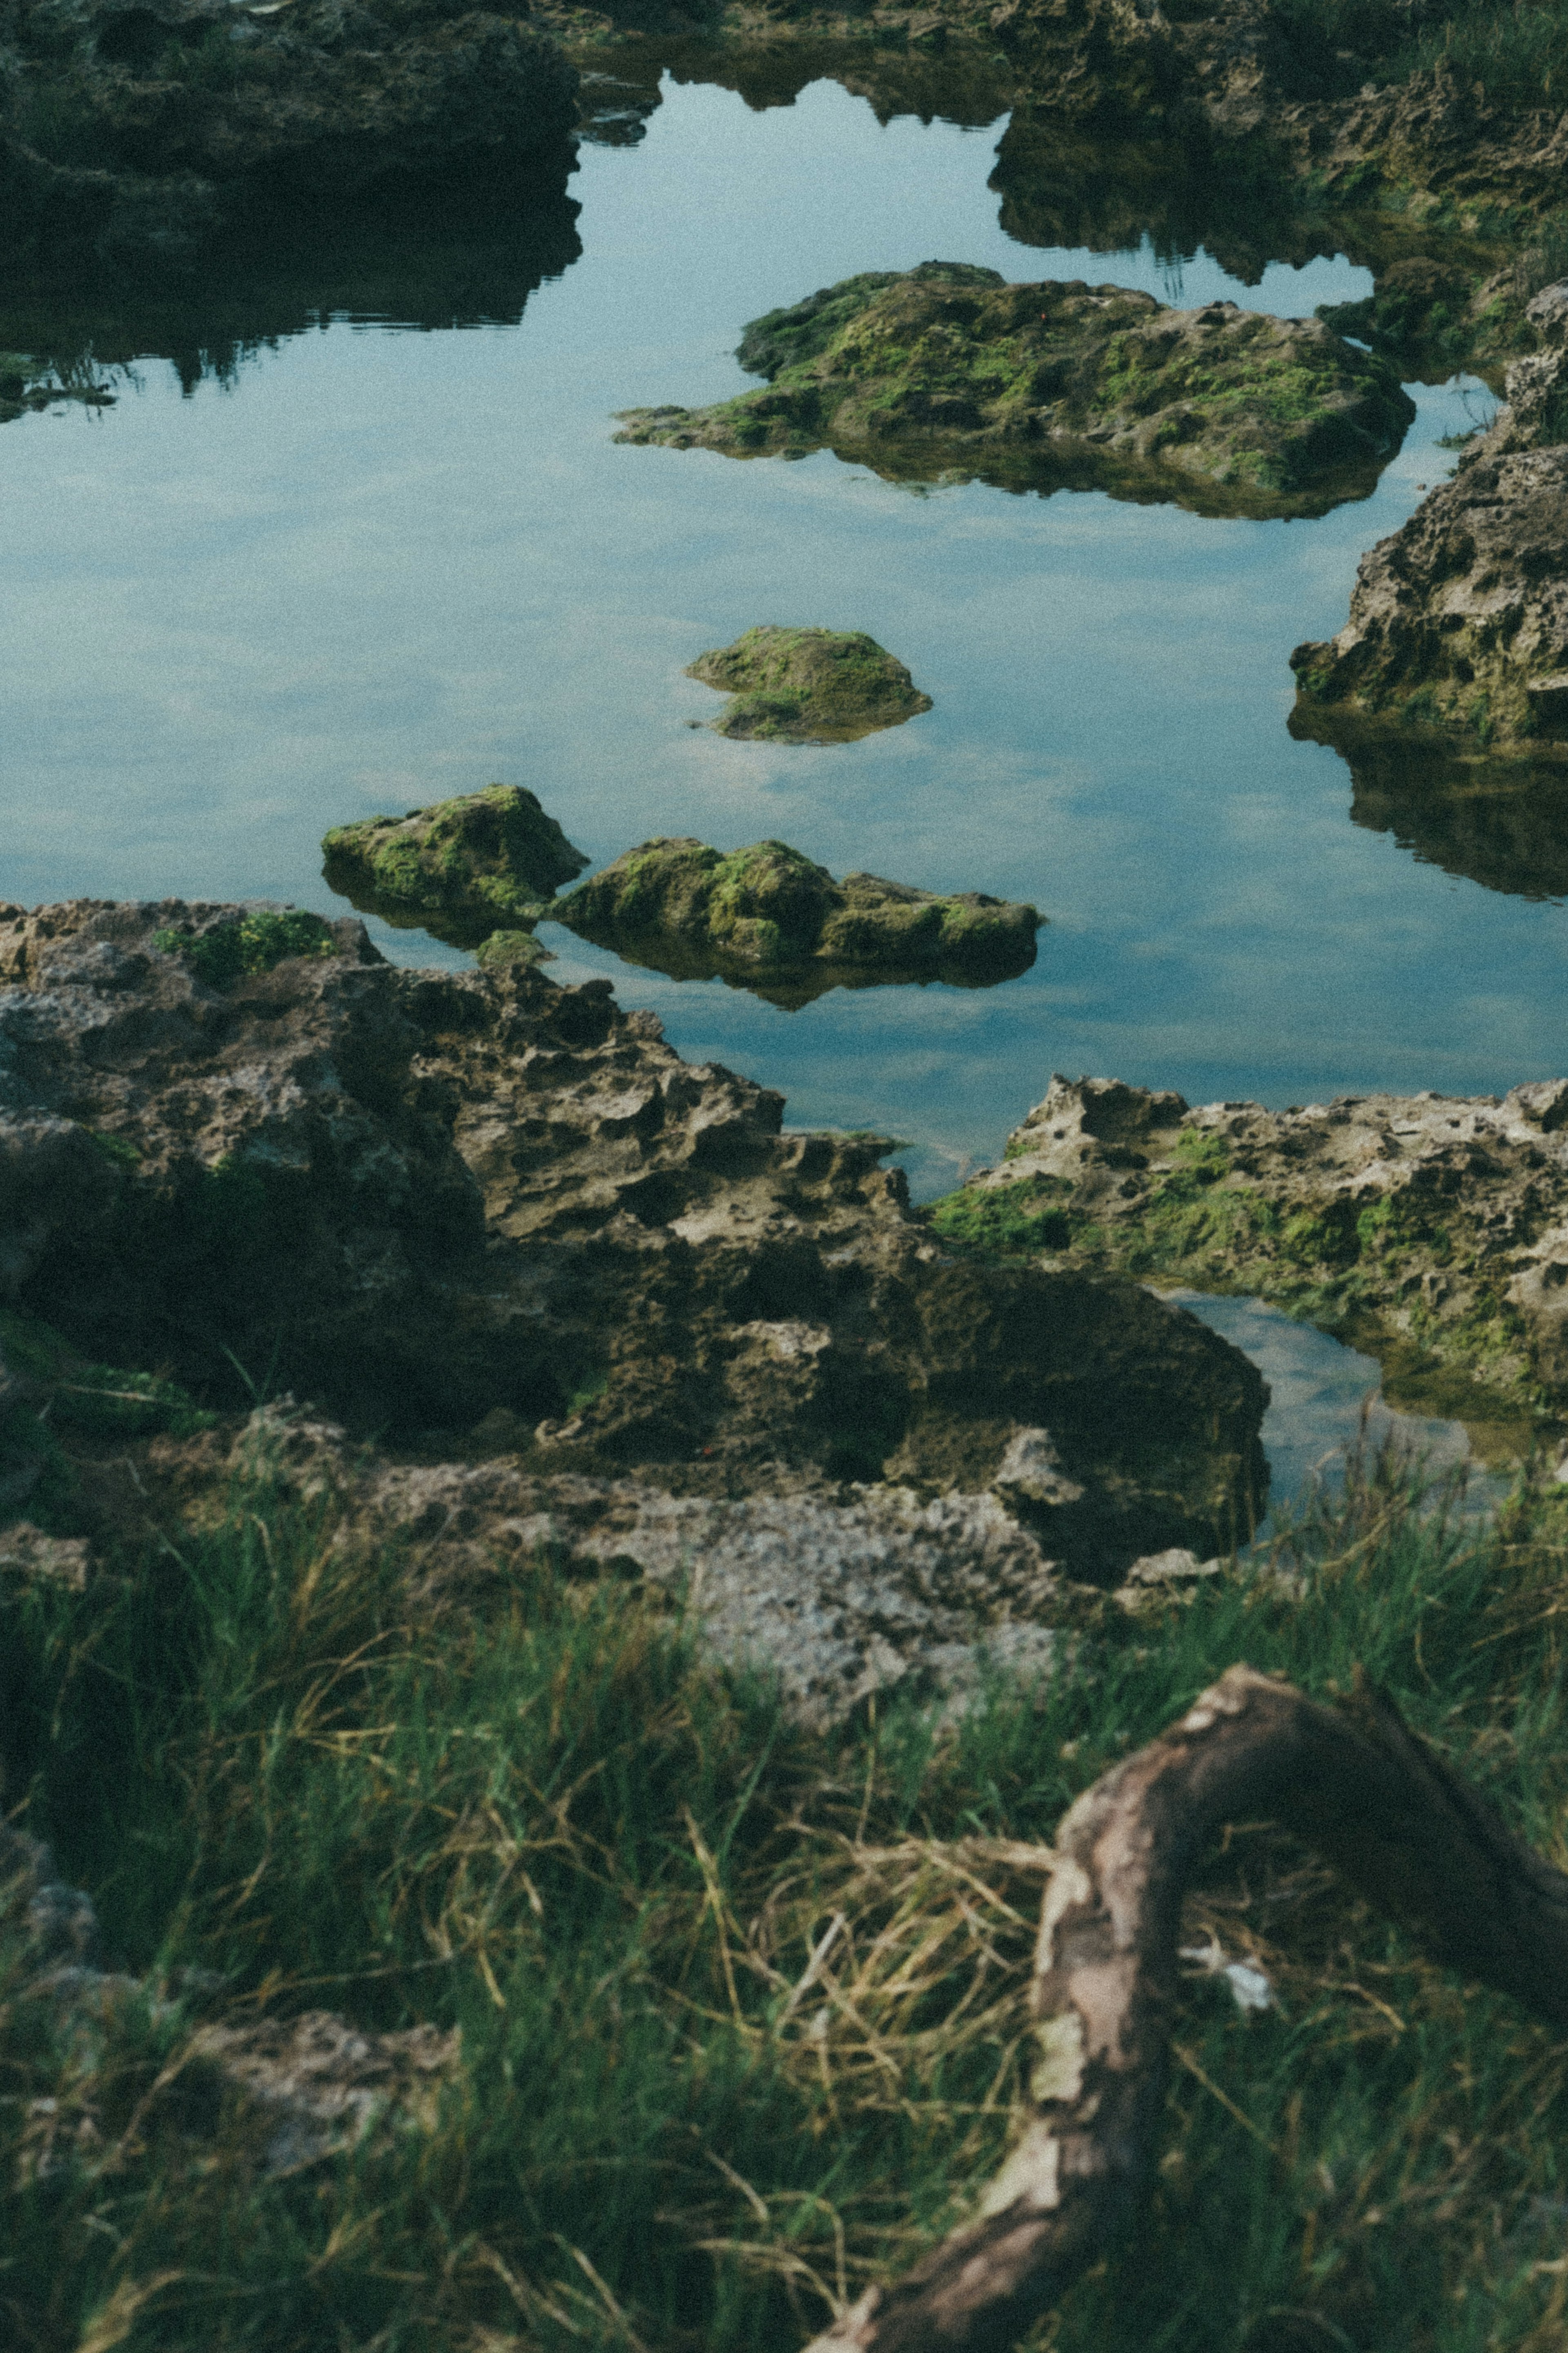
x=1500 y=823
x=418 y=258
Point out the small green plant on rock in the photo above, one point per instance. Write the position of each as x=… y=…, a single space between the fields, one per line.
x=238 y=951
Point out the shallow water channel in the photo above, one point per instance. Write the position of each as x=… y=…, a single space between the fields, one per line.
x=305 y=575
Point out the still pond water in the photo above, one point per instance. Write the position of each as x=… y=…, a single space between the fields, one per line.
x=370 y=564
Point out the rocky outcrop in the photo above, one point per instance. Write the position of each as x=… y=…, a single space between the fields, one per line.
x=138 y=129
x=1459 y=620
x=462 y=869
x=426 y=1199
x=768 y=919
x=947 y=369
x=1432 y=1230
x=808 y=686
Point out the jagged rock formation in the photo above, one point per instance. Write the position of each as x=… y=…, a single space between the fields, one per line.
x=808 y=686
x=422 y=1198
x=1459 y=620
x=947 y=369
x=1431 y=1227
x=138 y=131
x=461 y=868
x=767 y=918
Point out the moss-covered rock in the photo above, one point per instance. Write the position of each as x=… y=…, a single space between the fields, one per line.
x=767 y=918
x=235 y=949
x=808 y=686
x=947 y=369
x=478 y=863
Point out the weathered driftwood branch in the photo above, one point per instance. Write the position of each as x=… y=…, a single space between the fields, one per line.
x=1373 y=1799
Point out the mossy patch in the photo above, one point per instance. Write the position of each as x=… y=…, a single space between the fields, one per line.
x=480 y=863
x=808 y=686
x=767 y=913
x=947 y=368
x=230 y=950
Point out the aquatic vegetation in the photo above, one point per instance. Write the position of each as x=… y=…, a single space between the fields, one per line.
x=808 y=686
x=948 y=368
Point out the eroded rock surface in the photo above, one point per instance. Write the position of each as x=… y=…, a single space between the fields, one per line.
x=426 y=1199
x=808 y=686
x=947 y=369
x=1432 y=1226
x=461 y=868
x=1459 y=620
x=768 y=919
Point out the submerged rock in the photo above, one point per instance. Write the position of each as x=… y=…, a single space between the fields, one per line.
x=947 y=369
x=1458 y=622
x=808 y=686
x=434 y=1201
x=1429 y=1230
x=767 y=913
x=471 y=863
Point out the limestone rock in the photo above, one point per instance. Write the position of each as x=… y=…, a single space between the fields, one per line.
x=421 y=1197
x=808 y=686
x=1459 y=620
x=947 y=369
x=463 y=868
x=766 y=914
x=1432 y=1229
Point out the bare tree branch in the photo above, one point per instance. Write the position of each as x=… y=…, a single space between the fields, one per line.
x=1421 y=1845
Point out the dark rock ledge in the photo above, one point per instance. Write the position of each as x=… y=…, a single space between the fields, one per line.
x=491 y=1222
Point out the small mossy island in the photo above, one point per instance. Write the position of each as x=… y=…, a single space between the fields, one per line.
x=808 y=686
x=948 y=372
x=474 y=864
x=768 y=919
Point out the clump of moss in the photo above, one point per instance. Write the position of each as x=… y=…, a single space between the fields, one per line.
x=482 y=861
x=236 y=951
x=1004 y=1219
x=808 y=686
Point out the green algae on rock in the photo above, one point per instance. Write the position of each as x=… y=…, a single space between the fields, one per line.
x=1430 y=1231
x=768 y=919
x=947 y=371
x=477 y=863
x=230 y=950
x=808 y=686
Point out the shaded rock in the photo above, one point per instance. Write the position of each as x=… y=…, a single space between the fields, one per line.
x=1432 y=1230
x=765 y=914
x=423 y=1197
x=474 y=863
x=139 y=132
x=947 y=369
x=503 y=948
x=808 y=686
x=1459 y=620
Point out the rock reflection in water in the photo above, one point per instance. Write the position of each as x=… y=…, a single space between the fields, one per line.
x=423 y=260
x=1500 y=823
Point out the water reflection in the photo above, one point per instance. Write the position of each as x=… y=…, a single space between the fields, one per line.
x=1500 y=823
x=418 y=259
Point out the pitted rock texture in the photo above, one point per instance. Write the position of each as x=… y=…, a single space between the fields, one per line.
x=427 y=1198
x=198 y=115
x=948 y=370
x=1432 y=1226
x=1461 y=620
x=768 y=919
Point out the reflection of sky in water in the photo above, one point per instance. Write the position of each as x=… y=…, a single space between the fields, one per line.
x=1318 y=1389
x=386 y=566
